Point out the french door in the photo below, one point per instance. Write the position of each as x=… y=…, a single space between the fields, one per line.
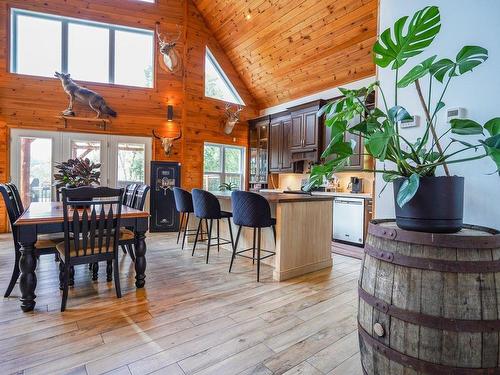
x=33 y=155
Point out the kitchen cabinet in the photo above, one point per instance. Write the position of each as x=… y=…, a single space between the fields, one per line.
x=258 y=158
x=305 y=126
x=279 y=144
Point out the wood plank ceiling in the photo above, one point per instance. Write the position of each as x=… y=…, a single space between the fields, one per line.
x=286 y=49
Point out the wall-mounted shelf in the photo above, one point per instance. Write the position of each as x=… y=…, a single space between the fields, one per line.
x=101 y=123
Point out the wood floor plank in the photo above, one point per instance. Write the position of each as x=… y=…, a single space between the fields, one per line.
x=192 y=318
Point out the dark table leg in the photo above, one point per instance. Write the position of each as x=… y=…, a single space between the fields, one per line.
x=27 y=282
x=140 y=259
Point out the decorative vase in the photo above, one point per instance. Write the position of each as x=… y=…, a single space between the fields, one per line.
x=437 y=207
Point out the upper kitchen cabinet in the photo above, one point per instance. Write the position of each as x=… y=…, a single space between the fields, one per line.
x=279 y=144
x=258 y=158
x=305 y=127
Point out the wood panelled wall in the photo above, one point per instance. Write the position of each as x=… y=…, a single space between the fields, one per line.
x=35 y=102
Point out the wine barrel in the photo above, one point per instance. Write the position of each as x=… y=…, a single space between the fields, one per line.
x=429 y=304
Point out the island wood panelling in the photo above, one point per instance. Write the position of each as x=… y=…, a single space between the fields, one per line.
x=35 y=102
x=286 y=49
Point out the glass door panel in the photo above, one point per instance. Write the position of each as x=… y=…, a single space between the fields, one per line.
x=35 y=173
x=91 y=146
x=129 y=160
x=131 y=164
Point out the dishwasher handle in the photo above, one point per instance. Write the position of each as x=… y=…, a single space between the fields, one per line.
x=351 y=202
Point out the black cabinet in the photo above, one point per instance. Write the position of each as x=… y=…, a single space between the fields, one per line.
x=279 y=144
x=164 y=177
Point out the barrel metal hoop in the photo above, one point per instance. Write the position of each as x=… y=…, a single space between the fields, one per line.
x=418 y=364
x=439 y=265
x=491 y=241
x=429 y=321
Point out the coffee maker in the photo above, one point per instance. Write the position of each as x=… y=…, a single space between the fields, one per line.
x=356 y=185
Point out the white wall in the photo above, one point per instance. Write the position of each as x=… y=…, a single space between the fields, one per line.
x=464 y=22
x=327 y=94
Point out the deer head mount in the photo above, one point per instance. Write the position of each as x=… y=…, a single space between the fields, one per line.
x=232 y=117
x=171 y=60
x=167 y=143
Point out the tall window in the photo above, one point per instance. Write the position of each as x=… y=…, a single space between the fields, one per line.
x=217 y=85
x=89 y=51
x=223 y=164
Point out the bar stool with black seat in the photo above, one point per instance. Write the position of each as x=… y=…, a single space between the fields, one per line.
x=184 y=205
x=251 y=210
x=127 y=235
x=91 y=231
x=46 y=244
x=207 y=207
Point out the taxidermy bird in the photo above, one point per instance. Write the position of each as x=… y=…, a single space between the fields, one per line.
x=83 y=95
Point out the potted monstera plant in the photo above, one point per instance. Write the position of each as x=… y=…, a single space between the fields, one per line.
x=424 y=201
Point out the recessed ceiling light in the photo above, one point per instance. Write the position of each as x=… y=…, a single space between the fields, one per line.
x=248 y=16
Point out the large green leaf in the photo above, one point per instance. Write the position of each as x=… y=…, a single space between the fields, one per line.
x=465 y=127
x=493 y=126
x=336 y=145
x=492 y=147
x=398 y=113
x=441 y=67
x=408 y=189
x=378 y=142
x=406 y=41
x=467 y=59
x=416 y=72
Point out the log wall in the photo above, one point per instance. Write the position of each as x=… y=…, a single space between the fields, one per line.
x=35 y=102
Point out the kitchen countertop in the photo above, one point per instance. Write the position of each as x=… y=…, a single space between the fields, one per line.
x=343 y=194
x=281 y=197
x=324 y=193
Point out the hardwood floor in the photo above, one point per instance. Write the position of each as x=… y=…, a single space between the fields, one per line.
x=191 y=318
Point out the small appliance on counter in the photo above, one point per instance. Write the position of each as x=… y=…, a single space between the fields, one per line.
x=356 y=185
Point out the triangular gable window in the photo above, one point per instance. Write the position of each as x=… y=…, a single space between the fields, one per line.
x=217 y=85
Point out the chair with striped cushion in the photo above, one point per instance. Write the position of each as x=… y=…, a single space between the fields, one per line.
x=91 y=231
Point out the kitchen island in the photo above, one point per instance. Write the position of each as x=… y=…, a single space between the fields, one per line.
x=303 y=233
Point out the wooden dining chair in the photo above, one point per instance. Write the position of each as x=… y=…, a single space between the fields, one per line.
x=91 y=231
x=46 y=244
x=128 y=198
x=127 y=235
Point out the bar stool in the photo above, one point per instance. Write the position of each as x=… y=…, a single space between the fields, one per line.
x=184 y=205
x=251 y=210
x=207 y=207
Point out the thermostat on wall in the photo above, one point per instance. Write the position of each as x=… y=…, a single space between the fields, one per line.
x=410 y=123
x=455 y=113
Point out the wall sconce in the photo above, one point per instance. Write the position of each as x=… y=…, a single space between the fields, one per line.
x=170 y=113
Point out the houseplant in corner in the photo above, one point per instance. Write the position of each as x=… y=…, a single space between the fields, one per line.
x=424 y=201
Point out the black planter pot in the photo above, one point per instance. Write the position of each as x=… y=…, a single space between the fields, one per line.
x=437 y=207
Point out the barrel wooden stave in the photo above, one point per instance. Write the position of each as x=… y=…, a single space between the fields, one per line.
x=472 y=296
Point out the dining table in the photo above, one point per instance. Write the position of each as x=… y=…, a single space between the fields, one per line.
x=46 y=218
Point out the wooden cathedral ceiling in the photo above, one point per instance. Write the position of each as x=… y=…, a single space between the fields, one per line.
x=286 y=49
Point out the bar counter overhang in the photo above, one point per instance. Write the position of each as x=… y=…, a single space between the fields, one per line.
x=303 y=233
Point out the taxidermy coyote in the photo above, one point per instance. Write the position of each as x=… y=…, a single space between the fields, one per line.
x=83 y=95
